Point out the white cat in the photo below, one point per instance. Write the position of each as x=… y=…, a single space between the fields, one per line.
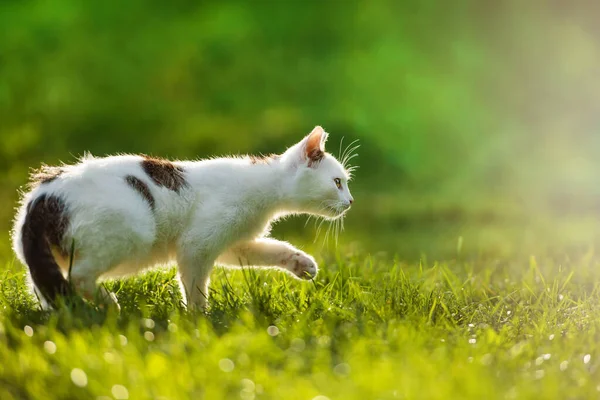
x=117 y=216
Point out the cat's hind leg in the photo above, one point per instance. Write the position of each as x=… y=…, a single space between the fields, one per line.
x=267 y=252
x=97 y=257
x=84 y=277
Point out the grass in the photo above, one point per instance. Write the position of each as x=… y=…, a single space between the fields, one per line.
x=366 y=328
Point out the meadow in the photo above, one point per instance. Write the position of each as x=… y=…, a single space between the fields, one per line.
x=468 y=268
x=367 y=327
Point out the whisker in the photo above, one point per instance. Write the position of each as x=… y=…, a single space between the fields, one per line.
x=326 y=241
x=336 y=231
x=333 y=227
x=348 y=147
x=350 y=155
x=310 y=216
x=319 y=228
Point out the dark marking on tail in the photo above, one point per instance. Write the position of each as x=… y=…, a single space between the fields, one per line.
x=164 y=173
x=44 y=227
x=44 y=174
x=143 y=189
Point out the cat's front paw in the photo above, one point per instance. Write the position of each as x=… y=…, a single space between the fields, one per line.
x=302 y=265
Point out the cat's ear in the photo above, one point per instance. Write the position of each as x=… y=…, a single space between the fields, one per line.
x=313 y=149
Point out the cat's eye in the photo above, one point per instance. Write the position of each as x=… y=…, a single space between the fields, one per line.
x=338 y=183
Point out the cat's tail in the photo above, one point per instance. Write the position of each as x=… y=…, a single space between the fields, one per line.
x=43 y=228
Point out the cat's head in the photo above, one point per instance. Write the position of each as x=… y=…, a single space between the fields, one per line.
x=318 y=182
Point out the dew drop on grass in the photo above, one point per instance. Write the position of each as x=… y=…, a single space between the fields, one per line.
x=247 y=392
x=539 y=374
x=539 y=361
x=148 y=323
x=120 y=392
x=342 y=369
x=123 y=340
x=564 y=365
x=172 y=327
x=273 y=330
x=324 y=341
x=551 y=337
x=149 y=336
x=226 y=365
x=50 y=347
x=586 y=358
x=28 y=330
x=472 y=341
x=110 y=358
x=248 y=385
x=297 y=345
x=79 y=377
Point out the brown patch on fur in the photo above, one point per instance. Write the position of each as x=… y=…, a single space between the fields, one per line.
x=315 y=146
x=164 y=173
x=315 y=157
x=268 y=159
x=143 y=189
x=44 y=229
x=44 y=174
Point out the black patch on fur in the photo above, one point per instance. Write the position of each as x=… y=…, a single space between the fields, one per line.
x=164 y=173
x=143 y=189
x=44 y=227
x=44 y=174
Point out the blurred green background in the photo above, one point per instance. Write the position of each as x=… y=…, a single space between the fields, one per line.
x=478 y=120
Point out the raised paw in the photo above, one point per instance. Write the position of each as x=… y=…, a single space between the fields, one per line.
x=302 y=265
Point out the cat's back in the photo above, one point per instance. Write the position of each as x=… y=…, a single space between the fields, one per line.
x=90 y=172
x=108 y=195
x=114 y=182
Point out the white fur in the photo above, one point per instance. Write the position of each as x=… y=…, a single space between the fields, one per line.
x=222 y=216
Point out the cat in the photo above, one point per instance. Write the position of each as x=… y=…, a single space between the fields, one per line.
x=116 y=216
